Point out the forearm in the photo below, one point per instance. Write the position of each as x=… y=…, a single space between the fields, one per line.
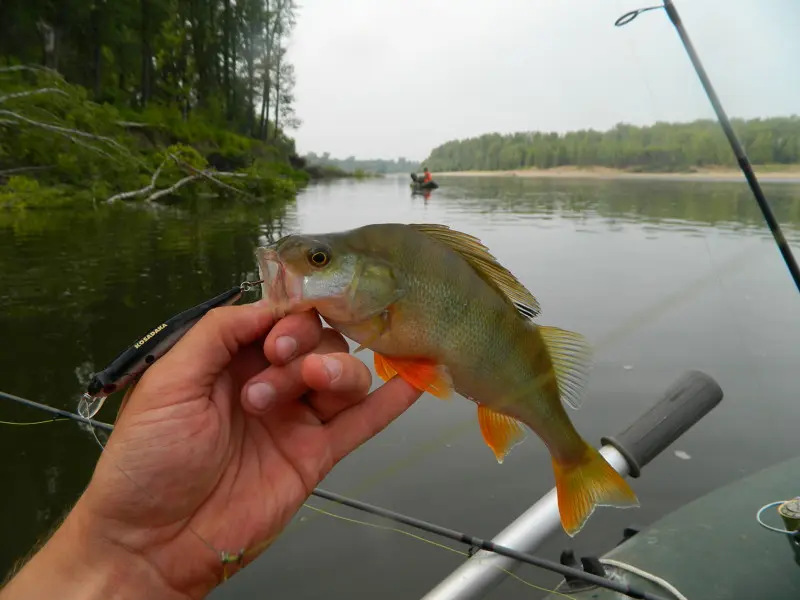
x=74 y=564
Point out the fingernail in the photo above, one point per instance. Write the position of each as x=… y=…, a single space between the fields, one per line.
x=285 y=347
x=332 y=366
x=261 y=395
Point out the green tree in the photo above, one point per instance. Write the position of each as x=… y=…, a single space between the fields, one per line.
x=658 y=147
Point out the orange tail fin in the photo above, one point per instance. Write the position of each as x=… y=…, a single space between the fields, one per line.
x=585 y=484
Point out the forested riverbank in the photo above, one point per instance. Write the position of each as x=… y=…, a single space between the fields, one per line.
x=698 y=146
x=158 y=100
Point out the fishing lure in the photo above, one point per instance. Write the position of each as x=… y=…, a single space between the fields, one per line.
x=132 y=362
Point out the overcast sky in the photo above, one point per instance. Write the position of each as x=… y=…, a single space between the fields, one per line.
x=389 y=78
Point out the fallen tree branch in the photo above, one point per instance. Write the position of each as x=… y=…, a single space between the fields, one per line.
x=171 y=189
x=141 y=192
x=196 y=175
x=64 y=130
x=211 y=178
x=35 y=69
x=24 y=169
x=134 y=124
x=78 y=142
x=33 y=92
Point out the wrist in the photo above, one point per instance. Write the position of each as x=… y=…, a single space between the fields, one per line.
x=75 y=563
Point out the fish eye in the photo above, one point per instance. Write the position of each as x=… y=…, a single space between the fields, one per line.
x=319 y=257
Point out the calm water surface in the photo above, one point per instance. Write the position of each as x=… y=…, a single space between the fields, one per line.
x=661 y=276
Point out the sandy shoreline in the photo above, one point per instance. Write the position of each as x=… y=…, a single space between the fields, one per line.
x=606 y=173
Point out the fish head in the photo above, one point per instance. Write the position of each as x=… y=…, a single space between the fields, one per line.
x=341 y=282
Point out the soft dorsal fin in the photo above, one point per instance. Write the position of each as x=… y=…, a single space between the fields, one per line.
x=571 y=356
x=486 y=265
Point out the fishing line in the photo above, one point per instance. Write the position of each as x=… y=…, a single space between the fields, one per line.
x=225 y=557
x=733 y=140
x=642 y=72
x=142 y=489
x=739 y=332
x=678 y=297
x=741 y=157
x=481 y=544
x=33 y=422
x=435 y=544
x=423 y=451
x=471 y=541
x=92 y=424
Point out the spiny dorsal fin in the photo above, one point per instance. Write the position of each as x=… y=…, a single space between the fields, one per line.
x=571 y=356
x=486 y=265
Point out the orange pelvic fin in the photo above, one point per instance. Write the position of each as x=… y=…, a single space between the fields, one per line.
x=585 y=484
x=425 y=375
x=500 y=432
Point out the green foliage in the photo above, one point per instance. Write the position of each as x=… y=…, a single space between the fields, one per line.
x=665 y=147
x=125 y=84
x=23 y=192
x=60 y=148
x=212 y=58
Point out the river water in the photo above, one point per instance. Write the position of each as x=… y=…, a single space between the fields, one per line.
x=661 y=276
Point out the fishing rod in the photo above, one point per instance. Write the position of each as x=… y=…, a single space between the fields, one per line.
x=736 y=146
x=57 y=412
x=475 y=543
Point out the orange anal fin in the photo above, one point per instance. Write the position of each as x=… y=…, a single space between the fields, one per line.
x=500 y=432
x=588 y=483
x=425 y=375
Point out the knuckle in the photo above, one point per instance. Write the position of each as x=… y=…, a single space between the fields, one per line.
x=304 y=321
x=358 y=376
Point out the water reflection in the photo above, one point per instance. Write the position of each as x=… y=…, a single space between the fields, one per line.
x=722 y=205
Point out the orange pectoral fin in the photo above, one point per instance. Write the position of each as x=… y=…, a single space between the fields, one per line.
x=383 y=368
x=500 y=432
x=425 y=375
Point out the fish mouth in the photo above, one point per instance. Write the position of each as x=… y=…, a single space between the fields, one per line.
x=281 y=291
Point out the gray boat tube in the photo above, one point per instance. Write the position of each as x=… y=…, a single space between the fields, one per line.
x=687 y=401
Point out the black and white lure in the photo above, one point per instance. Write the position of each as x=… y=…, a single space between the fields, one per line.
x=137 y=358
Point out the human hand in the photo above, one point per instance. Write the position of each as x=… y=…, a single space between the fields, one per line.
x=197 y=466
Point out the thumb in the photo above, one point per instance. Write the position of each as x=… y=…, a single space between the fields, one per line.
x=206 y=349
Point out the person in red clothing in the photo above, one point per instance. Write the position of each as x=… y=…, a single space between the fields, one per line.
x=427 y=176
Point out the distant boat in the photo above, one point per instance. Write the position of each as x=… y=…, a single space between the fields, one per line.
x=417 y=185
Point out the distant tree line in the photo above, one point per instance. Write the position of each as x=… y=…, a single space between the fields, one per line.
x=351 y=164
x=659 y=147
x=225 y=59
